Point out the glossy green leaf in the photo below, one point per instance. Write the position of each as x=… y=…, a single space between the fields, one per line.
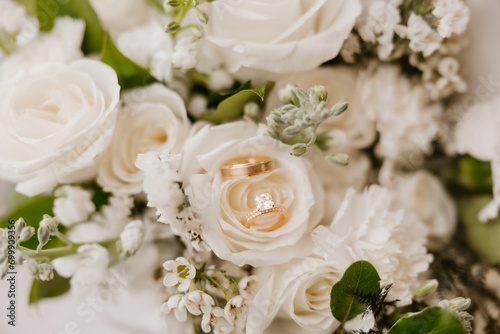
x=432 y=320
x=348 y=296
x=482 y=237
x=473 y=174
x=48 y=10
x=46 y=289
x=31 y=209
x=230 y=106
x=129 y=73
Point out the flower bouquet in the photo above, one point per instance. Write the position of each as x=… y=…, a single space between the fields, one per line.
x=248 y=166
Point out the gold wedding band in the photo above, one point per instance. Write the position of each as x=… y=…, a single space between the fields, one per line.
x=265 y=206
x=244 y=167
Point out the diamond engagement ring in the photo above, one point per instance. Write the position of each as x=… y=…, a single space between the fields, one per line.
x=244 y=167
x=265 y=206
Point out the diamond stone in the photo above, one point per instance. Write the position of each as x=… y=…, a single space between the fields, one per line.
x=263 y=201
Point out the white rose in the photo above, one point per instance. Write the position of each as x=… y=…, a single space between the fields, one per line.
x=54 y=120
x=424 y=195
x=280 y=36
x=224 y=203
x=62 y=45
x=298 y=290
x=154 y=118
x=353 y=129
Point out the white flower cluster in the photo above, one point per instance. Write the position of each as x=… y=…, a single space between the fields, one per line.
x=423 y=31
x=198 y=303
x=138 y=150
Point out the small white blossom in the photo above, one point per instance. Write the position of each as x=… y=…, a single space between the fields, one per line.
x=195 y=302
x=453 y=17
x=174 y=303
x=89 y=267
x=185 y=54
x=235 y=308
x=422 y=37
x=197 y=105
x=73 y=205
x=50 y=224
x=132 y=237
x=161 y=183
x=181 y=272
x=247 y=286
x=45 y=272
x=379 y=26
x=219 y=322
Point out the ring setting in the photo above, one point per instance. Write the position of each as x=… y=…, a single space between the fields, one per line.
x=247 y=167
x=264 y=204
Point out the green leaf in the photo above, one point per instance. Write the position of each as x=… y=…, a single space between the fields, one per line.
x=473 y=174
x=349 y=295
x=48 y=10
x=46 y=289
x=32 y=210
x=230 y=106
x=482 y=237
x=432 y=320
x=129 y=73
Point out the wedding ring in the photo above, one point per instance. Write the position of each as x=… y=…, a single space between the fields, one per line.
x=265 y=206
x=244 y=167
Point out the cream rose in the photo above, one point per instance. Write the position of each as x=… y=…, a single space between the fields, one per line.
x=299 y=291
x=280 y=36
x=153 y=118
x=54 y=120
x=224 y=203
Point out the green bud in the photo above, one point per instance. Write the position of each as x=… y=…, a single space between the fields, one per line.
x=460 y=303
x=313 y=97
x=194 y=3
x=50 y=223
x=285 y=94
x=291 y=131
x=174 y=3
x=202 y=16
x=19 y=225
x=426 y=288
x=340 y=159
x=43 y=236
x=321 y=91
x=197 y=31
x=172 y=27
x=298 y=149
x=339 y=108
x=275 y=117
x=27 y=233
x=265 y=130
